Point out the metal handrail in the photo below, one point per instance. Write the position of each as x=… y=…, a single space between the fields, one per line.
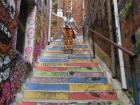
x=113 y=43
x=132 y=65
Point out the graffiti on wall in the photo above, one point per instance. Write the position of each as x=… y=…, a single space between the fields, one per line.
x=29 y=37
x=12 y=66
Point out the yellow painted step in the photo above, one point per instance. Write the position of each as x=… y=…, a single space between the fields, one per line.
x=82 y=61
x=90 y=87
x=33 y=95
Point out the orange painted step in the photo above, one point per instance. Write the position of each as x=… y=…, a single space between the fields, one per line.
x=82 y=65
x=52 y=69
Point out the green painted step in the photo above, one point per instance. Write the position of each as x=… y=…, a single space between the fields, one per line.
x=49 y=74
x=77 y=69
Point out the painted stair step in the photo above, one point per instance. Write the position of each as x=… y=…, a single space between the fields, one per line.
x=82 y=61
x=80 y=52
x=92 y=65
x=49 y=74
x=31 y=95
x=94 y=96
x=47 y=87
x=69 y=87
x=85 y=69
x=41 y=103
x=56 y=49
x=52 y=60
x=66 y=80
x=80 y=96
x=86 y=74
x=62 y=52
x=82 y=57
x=45 y=80
x=53 y=52
x=90 y=87
x=55 y=46
x=75 y=103
x=53 y=64
x=81 y=49
x=80 y=46
x=54 y=55
x=88 y=80
x=51 y=69
x=101 y=103
x=58 y=46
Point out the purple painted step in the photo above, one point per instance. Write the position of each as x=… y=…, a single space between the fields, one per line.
x=39 y=80
x=86 y=74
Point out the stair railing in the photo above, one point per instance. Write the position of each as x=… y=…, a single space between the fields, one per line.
x=132 y=56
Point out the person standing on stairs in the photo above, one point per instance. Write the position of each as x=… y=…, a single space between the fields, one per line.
x=70 y=22
x=70 y=31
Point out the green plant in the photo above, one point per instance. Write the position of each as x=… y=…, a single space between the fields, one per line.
x=125 y=12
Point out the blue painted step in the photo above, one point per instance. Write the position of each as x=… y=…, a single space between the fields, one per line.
x=89 y=80
x=48 y=87
x=52 y=60
x=55 y=48
x=80 y=46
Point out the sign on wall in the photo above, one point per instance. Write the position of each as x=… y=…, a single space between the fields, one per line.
x=30 y=35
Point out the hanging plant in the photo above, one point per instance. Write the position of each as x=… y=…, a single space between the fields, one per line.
x=125 y=12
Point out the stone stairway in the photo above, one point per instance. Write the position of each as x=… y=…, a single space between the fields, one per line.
x=68 y=79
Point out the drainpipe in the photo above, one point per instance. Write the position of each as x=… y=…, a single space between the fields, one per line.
x=119 y=41
x=50 y=21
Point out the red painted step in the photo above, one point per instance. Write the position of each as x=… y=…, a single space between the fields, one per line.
x=82 y=65
x=33 y=103
x=51 y=69
x=93 y=96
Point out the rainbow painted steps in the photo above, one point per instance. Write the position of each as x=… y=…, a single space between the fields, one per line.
x=68 y=79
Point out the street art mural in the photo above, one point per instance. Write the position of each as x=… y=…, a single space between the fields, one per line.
x=30 y=35
x=40 y=30
x=13 y=69
x=38 y=37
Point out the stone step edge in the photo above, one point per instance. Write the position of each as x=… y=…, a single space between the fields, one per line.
x=68 y=91
x=68 y=101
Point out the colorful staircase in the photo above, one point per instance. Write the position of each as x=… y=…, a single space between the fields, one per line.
x=68 y=79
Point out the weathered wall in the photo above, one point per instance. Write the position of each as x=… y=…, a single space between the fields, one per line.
x=97 y=19
x=130 y=24
x=13 y=68
x=41 y=24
